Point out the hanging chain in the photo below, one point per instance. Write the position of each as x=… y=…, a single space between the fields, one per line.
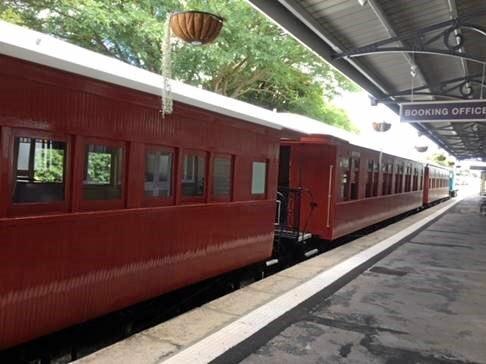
x=482 y=81
x=413 y=73
x=166 y=70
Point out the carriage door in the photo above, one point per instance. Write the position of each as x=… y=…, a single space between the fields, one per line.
x=284 y=167
x=354 y=176
x=283 y=192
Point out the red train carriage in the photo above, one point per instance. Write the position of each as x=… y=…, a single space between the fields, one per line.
x=349 y=187
x=436 y=184
x=343 y=186
x=103 y=203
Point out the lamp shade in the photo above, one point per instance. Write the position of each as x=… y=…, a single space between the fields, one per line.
x=196 y=27
x=421 y=148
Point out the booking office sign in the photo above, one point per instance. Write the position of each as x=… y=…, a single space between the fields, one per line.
x=436 y=111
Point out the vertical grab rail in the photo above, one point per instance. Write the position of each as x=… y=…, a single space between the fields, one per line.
x=329 y=196
x=279 y=208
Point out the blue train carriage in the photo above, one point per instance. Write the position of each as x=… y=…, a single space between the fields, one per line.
x=452 y=183
x=482 y=190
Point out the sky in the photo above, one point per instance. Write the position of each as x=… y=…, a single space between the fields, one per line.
x=401 y=139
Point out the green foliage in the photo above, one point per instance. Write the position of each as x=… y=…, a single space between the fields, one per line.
x=49 y=165
x=253 y=60
x=99 y=168
x=440 y=159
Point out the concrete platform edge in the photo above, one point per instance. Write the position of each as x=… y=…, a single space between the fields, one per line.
x=212 y=347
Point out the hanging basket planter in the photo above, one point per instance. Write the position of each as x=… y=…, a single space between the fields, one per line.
x=441 y=157
x=421 y=148
x=383 y=126
x=196 y=27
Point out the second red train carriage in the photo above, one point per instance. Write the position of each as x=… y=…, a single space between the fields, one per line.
x=346 y=187
x=343 y=187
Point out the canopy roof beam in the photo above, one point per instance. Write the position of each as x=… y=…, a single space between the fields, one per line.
x=423 y=38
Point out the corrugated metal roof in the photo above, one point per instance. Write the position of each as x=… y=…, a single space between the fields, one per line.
x=340 y=27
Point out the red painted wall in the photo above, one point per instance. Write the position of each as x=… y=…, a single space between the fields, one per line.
x=64 y=265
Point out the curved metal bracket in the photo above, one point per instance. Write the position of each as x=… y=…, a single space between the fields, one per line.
x=432 y=51
x=459 y=88
x=424 y=41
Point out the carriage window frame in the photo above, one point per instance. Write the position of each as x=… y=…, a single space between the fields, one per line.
x=36 y=207
x=183 y=165
x=387 y=182
x=160 y=200
x=369 y=179
x=355 y=178
x=399 y=177
x=376 y=178
x=102 y=204
x=408 y=177
x=344 y=178
x=229 y=196
x=415 y=174
x=258 y=196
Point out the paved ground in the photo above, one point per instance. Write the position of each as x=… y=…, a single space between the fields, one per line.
x=423 y=303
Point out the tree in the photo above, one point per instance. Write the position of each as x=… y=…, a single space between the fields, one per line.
x=441 y=159
x=253 y=60
x=49 y=165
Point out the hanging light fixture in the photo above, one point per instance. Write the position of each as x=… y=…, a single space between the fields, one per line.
x=381 y=126
x=421 y=148
x=196 y=27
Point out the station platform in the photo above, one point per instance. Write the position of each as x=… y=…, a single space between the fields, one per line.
x=413 y=292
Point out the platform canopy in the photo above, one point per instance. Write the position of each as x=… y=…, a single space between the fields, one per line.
x=401 y=51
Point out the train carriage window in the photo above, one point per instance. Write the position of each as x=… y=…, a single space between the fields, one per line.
x=399 y=178
x=258 y=178
x=103 y=172
x=39 y=170
x=376 y=173
x=421 y=179
x=415 y=179
x=193 y=175
x=222 y=168
x=408 y=177
x=369 y=181
x=372 y=179
x=387 y=178
x=344 y=190
x=390 y=179
x=158 y=173
x=355 y=161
